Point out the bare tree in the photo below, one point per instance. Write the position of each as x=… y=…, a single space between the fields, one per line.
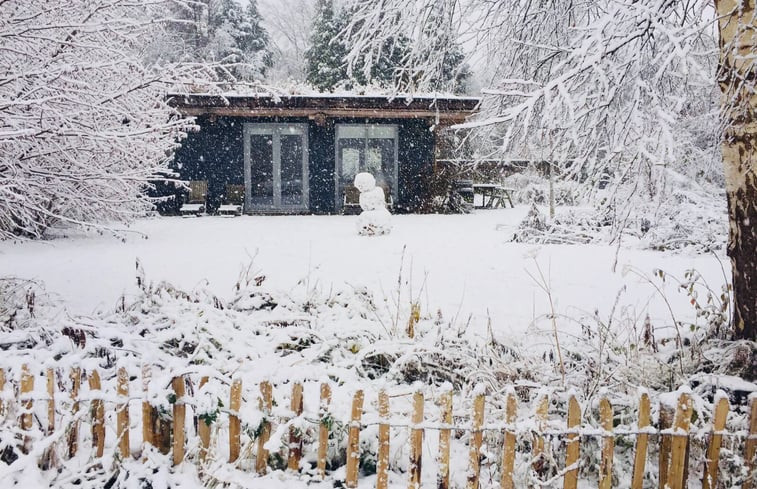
x=289 y=23
x=84 y=125
x=621 y=89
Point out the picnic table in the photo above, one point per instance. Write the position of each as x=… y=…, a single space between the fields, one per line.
x=492 y=195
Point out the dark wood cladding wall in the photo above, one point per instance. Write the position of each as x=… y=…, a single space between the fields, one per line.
x=216 y=153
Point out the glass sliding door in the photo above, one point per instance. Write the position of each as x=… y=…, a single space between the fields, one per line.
x=276 y=167
x=368 y=148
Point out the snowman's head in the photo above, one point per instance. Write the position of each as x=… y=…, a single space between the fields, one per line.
x=365 y=182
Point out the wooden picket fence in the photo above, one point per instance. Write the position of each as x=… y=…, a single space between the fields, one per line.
x=672 y=432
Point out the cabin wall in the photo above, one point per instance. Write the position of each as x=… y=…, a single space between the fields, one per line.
x=216 y=153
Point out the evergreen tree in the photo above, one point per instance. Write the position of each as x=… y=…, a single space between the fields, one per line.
x=326 y=69
x=253 y=39
x=222 y=31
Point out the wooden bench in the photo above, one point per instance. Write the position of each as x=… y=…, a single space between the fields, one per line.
x=194 y=200
x=233 y=200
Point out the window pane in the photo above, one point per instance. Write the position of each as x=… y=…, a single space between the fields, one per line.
x=380 y=162
x=381 y=132
x=291 y=169
x=261 y=169
x=350 y=132
x=351 y=154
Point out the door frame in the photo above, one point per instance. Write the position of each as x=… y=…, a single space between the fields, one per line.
x=275 y=129
x=338 y=162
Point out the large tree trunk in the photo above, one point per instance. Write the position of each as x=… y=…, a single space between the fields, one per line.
x=737 y=78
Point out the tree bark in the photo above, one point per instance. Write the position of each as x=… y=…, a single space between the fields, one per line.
x=736 y=76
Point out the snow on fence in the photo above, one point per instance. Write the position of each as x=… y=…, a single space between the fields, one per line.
x=169 y=434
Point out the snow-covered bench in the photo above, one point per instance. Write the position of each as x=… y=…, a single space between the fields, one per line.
x=233 y=201
x=194 y=203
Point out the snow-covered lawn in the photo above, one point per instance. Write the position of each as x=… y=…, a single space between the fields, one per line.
x=464 y=265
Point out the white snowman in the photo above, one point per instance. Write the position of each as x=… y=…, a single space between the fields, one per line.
x=375 y=218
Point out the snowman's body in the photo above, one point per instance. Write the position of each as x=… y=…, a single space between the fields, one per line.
x=375 y=218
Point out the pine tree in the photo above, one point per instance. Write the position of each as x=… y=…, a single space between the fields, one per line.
x=222 y=31
x=253 y=39
x=326 y=68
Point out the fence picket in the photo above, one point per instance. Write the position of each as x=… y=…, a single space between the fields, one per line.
x=265 y=405
x=750 y=447
x=235 y=425
x=295 y=439
x=508 y=449
x=382 y=466
x=179 y=416
x=353 y=441
x=123 y=413
x=573 y=448
x=416 y=442
x=323 y=429
x=477 y=437
x=666 y=422
x=642 y=440
x=148 y=418
x=73 y=432
x=442 y=479
x=203 y=428
x=50 y=374
x=608 y=444
x=542 y=409
x=97 y=407
x=27 y=404
x=676 y=476
x=710 y=476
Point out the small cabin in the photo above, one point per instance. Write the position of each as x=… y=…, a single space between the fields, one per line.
x=300 y=154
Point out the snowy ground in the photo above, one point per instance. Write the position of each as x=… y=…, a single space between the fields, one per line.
x=461 y=264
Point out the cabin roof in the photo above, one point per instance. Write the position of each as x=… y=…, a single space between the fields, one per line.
x=449 y=109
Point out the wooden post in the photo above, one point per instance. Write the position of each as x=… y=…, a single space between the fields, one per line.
x=542 y=409
x=710 y=476
x=751 y=446
x=442 y=480
x=73 y=432
x=416 y=442
x=123 y=413
x=235 y=425
x=508 y=450
x=50 y=374
x=642 y=440
x=678 y=460
x=382 y=466
x=666 y=422
x=148 y=418
x=295 y=438
x=97 y=407
x=179 y=415
x=608 y=444
x=477 y=437
x=323 y=429
x=353 y=441
x=265 y=405
x=203 y=429
x=573 y=449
